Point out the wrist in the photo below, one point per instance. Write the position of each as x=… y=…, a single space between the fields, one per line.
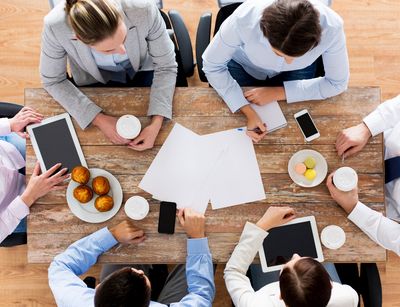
x=367 y=132
x=197 y=235
x=263 y=225
x=28 y=198
x=157 y=121
x=280 y=93
x=248 y=111
x=98 y=119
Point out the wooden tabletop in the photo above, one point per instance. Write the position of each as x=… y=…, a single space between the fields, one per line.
x=52 y=226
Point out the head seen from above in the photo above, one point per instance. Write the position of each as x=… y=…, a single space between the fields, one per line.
x=125 y=287
x=292 y=27
x=97 y=23
x=305 y=282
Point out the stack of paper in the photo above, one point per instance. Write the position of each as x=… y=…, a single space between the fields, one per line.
x=192 y=170
x=271 y=114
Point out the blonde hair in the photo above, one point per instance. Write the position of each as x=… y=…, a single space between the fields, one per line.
x=92 y=20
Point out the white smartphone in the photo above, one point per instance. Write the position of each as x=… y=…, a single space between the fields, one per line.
x=307 y=126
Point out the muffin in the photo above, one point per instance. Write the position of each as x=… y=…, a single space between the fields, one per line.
x=83 y=193
x=104 y=203
x=100 y=185
x=80 y=174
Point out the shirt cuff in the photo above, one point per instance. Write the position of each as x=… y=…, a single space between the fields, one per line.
x=258 y=231
x=18 y=208
x=198 y=246
x=5 y=127
x=360 y=214
x=105 y=238
x=375 y=123
x=293 y=91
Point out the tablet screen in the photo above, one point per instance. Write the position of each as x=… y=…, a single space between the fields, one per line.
x=56 y=145
x=284 y=241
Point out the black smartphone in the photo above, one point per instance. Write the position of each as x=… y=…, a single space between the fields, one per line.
x=166 y=220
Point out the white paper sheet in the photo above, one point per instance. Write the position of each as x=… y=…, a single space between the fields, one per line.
x=272 y=115
x=236 y=178
x=181 y=168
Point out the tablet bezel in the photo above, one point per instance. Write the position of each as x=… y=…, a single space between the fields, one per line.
x=320 y=257
x=72 y=131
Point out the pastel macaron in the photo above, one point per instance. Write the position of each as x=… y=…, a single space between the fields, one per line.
x=300 y=168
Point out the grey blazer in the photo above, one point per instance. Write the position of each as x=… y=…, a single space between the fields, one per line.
x=146 y=34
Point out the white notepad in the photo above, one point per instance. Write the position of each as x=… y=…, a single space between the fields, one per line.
x=271 y=114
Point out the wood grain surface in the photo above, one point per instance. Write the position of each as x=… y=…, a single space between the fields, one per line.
x=52 y=226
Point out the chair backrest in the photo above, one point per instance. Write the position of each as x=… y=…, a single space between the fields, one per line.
x=53 y=3
x=8 y=109
x=202 y=41
x=183 y=42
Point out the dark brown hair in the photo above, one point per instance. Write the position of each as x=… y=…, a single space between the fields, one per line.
x=123 y=288
x=92 y=20
x=306 y=284
x=291 y=26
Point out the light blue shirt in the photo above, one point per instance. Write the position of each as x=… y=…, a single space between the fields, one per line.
x=118 y=65
x=240 y=38
x=70 y=291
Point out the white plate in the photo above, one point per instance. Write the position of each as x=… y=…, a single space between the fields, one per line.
x=321 y=168
x=87 y=212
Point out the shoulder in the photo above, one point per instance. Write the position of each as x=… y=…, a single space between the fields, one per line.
x=56 y=16
x=343 y=295
x=137 y=7
x=329 y=19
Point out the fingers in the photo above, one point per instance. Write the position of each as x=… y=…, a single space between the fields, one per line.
x=23 y=135
x=181 y=217
x=352 y=151
x=137 y=240
x=255 y=136
x=36 y=170
x=140 y=147
x=51 y=170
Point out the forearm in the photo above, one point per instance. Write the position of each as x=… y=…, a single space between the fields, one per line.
x=78 y=105
x=380 y=229
x=237 y=283
x=12 y=216
x=5 y=127
x=386 y=116
x=199 y=272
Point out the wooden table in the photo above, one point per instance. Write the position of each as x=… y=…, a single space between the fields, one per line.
x=52 y=226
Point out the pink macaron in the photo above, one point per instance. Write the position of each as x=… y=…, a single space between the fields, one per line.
x=300 y=168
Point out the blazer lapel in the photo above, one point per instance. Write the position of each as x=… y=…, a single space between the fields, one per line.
x=132 y=44
x=87 y=60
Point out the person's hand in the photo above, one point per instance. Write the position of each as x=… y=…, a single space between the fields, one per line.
x=126 y=233
x=146 y=138
x=264 y=95
x=23 y=118
x=192 y=222
x=256 y=129
x=346 y=200
x=352 y=140
x=276 y=216
x=41 y=184
x=108 y=125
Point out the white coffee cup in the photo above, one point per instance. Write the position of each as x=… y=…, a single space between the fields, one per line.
x=345 y=179
x=128 y=126
x=137 y=207
x=333 y=237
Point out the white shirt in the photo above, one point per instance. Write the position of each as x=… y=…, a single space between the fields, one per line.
x=386 y=118
x=239 y=286
x=241 y=39
x=12 y=184
x=380 y=229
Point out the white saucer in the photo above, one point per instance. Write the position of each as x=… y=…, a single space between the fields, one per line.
x=333 y=237
x=137 y=207
x=321 y=168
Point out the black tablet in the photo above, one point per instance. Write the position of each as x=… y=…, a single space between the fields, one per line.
x=54 y=141
x=299 y=236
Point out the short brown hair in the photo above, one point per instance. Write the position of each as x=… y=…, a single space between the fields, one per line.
x=291 y=26
x=307 y=283
x=123 y=288
x=92 y=20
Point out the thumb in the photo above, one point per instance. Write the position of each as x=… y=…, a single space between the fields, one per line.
x=23 y=135
x=181 y=217
x=262 y=126
x=351 y=151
